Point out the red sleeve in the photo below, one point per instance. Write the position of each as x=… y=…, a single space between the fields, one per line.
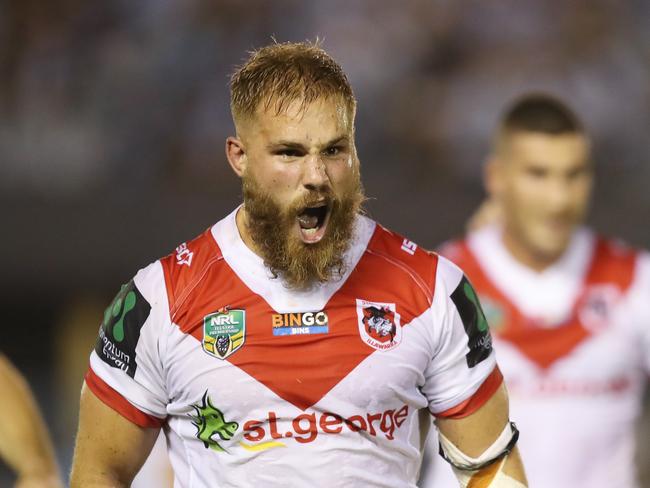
x=118 y=403
x=477 y=400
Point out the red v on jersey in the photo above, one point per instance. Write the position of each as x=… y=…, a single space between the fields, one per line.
x=301 y=369
x=542 y=345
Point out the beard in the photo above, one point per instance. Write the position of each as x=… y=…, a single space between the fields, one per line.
x=272 y=228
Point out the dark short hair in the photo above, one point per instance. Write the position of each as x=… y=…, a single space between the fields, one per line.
x=540 y=112
x=281 y=73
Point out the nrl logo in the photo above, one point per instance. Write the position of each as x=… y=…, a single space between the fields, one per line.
x=379 y=324
x=224 y=332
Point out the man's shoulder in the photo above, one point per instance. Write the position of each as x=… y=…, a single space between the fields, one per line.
x=616 y=260
x=616 y=247
x=454 y=249
x=188 y=263
x=406 y=258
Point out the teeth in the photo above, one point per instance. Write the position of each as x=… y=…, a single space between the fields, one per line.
x=309 y=232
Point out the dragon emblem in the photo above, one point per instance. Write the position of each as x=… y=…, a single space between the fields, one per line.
x=379 y=322
x=210 y=422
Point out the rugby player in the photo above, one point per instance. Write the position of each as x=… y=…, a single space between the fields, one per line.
x=296 y=342
x=569 y=310
x=25 y=443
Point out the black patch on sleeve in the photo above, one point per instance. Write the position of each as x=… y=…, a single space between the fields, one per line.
x=120 y=329
x=476 y=326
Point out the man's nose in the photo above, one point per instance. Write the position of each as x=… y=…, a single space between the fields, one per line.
x=314 y=173
x=558 y=194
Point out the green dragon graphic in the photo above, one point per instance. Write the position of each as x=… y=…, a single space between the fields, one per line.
x=209 y=421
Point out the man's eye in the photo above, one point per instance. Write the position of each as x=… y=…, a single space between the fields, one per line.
x=332 y=151
x=577 y=174
x=289 y=153
x=537 y=173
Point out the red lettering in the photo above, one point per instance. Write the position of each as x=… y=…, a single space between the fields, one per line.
x=372 y=417
x=387 y=424
x=310 y=429
x=273 y=424
x=333 y=425
x=350 y=422
x=253 y=431
x=307 y=426
x=400 y=415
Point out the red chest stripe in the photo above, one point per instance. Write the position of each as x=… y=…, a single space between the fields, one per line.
x=610 y=266
x=303 y=368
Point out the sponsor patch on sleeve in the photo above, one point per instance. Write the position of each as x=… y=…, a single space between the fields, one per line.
x=120 y=330
x=476 y=327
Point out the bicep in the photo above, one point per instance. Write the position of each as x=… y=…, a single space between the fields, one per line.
x=476 y=432
x=109 y=449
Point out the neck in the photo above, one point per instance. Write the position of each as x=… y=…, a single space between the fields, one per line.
x=525 y=254
x=241 y=218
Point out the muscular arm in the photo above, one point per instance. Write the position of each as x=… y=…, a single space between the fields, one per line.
x=475 y=433
x=24 y=441
x=110 y=449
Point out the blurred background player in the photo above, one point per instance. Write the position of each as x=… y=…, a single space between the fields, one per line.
x=569 y=310
x=25 y=443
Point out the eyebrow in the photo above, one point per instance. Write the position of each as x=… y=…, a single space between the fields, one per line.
x=297 y=145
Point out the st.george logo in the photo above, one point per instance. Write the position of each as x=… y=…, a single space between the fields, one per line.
x=224 y=332
x=379 y=324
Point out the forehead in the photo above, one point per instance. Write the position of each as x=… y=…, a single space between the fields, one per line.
x=323 y=118
x=548 y=149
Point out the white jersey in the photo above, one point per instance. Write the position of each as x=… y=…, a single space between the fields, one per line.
x=255 y=385
x=573 y=344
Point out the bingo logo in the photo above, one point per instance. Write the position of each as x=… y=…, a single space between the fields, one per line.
x=300 y=323
x=306 y=427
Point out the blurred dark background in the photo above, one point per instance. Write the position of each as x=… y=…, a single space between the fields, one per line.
x=113 y=117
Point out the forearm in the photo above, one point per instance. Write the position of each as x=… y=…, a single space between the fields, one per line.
x=24 y=441
x=90 y=477
x=514 y=467
x=481 y=450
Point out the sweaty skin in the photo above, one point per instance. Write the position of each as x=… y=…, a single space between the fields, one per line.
x=541 y=184
x=475 y=433
x=24 y=440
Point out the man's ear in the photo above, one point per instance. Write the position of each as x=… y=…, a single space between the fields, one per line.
x=236 y=154
x=492 y=176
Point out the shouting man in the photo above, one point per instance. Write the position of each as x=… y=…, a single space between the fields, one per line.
x=296 y=341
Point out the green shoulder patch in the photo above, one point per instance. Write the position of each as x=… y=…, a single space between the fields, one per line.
x=476 y=327
x=120 y=329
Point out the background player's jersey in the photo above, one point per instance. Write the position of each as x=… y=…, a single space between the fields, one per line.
x=256 y=385
x=574 y=347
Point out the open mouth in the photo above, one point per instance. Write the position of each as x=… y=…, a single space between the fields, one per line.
x=312 y=222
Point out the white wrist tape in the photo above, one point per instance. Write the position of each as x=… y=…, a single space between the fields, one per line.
x=499 y=448
x=502 y=480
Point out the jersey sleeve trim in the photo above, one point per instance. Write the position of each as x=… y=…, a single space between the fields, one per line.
x=117 y=402
x=477 y=400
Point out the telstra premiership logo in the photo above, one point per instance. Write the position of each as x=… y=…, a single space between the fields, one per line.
x=224 y=332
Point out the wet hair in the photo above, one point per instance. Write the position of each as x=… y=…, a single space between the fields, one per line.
x=276 y=75
x=539 y=112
